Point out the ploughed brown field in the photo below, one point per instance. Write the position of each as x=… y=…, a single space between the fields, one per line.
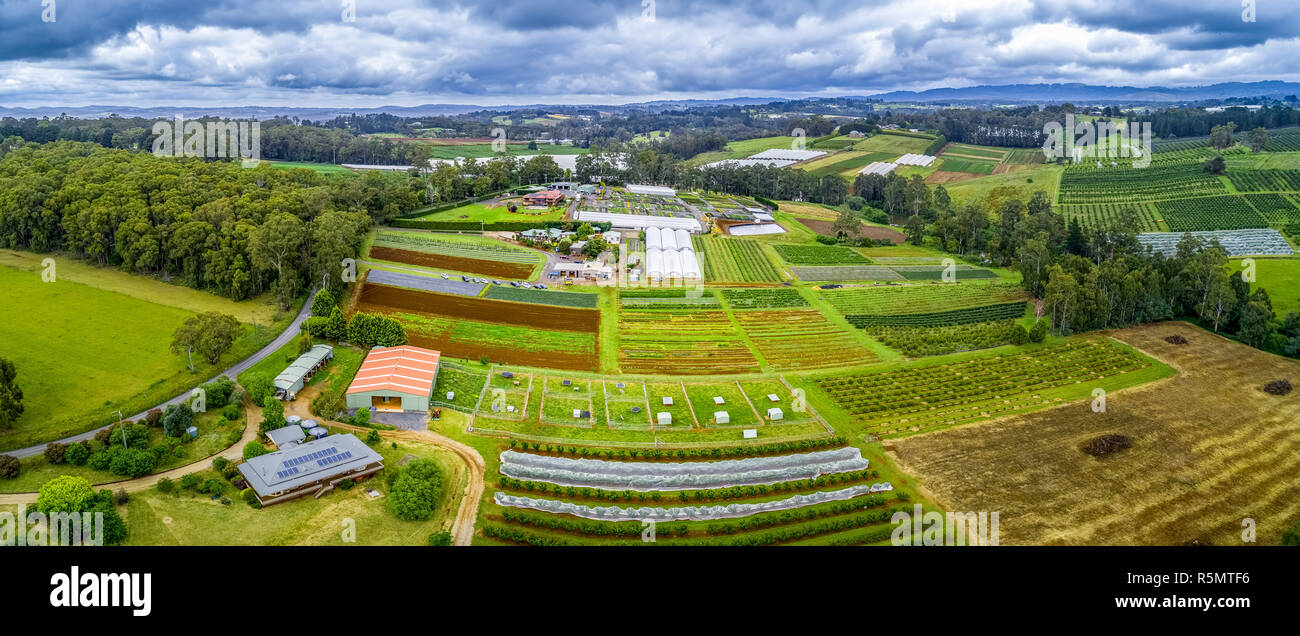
x=826 y=228
x=456 y=263
x=1206 y=449
x=382 y=299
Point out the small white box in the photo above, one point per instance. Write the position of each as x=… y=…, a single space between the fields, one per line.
x=750 y=433
x=718 y=400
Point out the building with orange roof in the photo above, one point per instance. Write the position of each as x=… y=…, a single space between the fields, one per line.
x=395 y=379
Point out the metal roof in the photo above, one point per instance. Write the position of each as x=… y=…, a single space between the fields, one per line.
x=307 y=463
x=405 y=369
x=302 y=366
x=291 y=433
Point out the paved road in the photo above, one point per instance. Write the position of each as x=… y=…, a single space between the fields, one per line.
x=284 y=338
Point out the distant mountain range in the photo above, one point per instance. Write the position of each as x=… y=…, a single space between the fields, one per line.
x=1005 y=94
x=1039 y=93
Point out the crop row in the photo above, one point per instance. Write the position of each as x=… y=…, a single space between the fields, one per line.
x=819 y=255
x=1128 y=184
x=985 y=313
x=802 y=339
x=1275 y=207
x=774 y=298
x=734 y=260
x=1230 y=212
x=1101 y=216
x=1265 y=180
x=917 y=299
x=916 y=342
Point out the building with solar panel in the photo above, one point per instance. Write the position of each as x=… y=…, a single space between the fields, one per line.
x=310 y=468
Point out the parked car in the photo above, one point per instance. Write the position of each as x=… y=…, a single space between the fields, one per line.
x=465 y=278
x=525 y=285
x=540 y=286
x=496 y=282
x=444 y=276
x=514 y=283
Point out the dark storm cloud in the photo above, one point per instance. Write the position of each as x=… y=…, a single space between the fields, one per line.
x=427 y=50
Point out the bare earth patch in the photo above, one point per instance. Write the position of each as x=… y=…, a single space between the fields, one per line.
x=1209 y=450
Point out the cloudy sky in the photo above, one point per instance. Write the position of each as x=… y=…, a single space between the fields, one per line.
x=359 y=53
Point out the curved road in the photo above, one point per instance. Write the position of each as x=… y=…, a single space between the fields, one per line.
x=284 y=338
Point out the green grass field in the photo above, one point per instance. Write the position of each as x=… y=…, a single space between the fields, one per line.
x=82 y=353
x=323 y=168
x=896 y=144
x=484 y=214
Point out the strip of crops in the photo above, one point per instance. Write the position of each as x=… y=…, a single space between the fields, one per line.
x=541 y=297
x=916 y=342
x=963 y=272
x=819 y=255
x=431 y=244
x=987 y=313
x=802 y=339
x=1099 y=216
x=1285 y=140
x=1265 y=180
x=734 y=260
x=846 y=272
x=1275 y=207
x=1087 y=184
x=778 y=298
x=914 y=397
x=916 y=299
x=682 y=342
x=971 y=166
x=1210 y=213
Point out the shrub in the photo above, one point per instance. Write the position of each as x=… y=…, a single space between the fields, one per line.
x=1292 y=535
x=166 y=485
x=416 y=490
x=272 y=416
x=76 y=454
x=132 y=462
x=1018 y=335
x=176 y=419
x=219 y=463
x=213 y=486
x=121 y=497
x=440 y=538
x=230 y=412
x=1039 y=332
x=55 y=452
x=254 y=449
x=190 y=481
x=10 y=467
x=230 y=472
x=217 y=392
x=99 y=460
x=153 y=418
x=346 y=484
x=372 y=437
x=66 y=494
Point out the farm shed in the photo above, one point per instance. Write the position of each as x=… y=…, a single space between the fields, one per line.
x=286 y=436
x=658 y=191
x=395 y=379
x=309 y=468
x=291 y=380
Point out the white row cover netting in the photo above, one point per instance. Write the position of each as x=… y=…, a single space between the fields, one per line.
x=647 y=476
x=687 y=513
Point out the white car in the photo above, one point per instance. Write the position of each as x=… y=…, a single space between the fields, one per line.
x=444 y=276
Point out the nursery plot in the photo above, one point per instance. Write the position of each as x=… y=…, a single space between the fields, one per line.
x=984 y=313
x=1086 y=184
x=802 y=339
x=760 y=394
x=733 y=404
x=963 y=272
x=734 y=260
x=575 y=387
x=1261 y=242
x=773 y=298
x=1210 y=213
x=819 y=255
x=680 y=410
x=915 y=397
x=560 y=410
x=628 y=407
x=681 y=343
x=921 y=298
x=916 y=342
x=1100 y=216
x=848 y=272
x=464 y=385
x=1276 y=208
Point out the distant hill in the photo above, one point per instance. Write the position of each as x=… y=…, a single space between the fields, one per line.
x=1039 y=93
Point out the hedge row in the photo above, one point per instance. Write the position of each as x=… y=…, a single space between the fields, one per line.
x=684 y=496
